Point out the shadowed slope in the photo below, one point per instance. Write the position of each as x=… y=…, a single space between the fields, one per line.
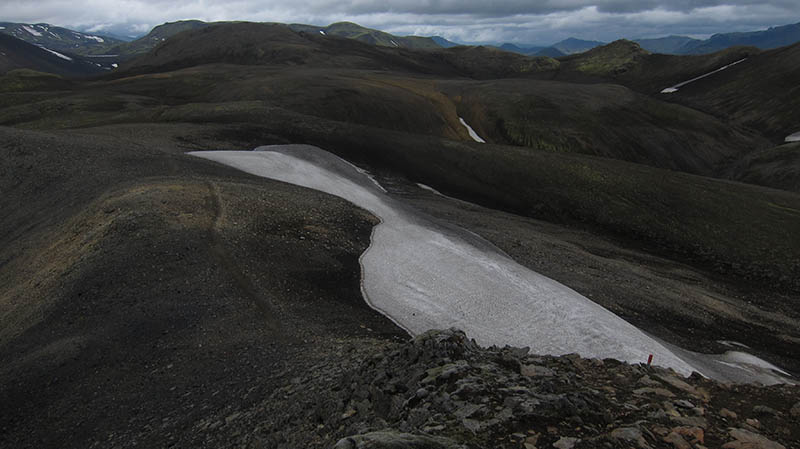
x=777 y=167
x=761 y=93
x=18 y=54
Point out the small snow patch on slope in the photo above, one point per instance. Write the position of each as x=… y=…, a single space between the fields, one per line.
x=793 y=137
x=2 y=28
x=429 y=189
x=322 y=33
x=57 y=54
x=471 y=131
x=675 y=88
x=31 y=30
x=98 y=39
x=744 y=360
x=367 y=174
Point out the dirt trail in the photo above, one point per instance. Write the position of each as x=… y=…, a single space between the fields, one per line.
x=243 y=284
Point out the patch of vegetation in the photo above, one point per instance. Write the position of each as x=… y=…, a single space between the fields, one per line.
x=20 y=80
x=777 y=167
x=609 y=60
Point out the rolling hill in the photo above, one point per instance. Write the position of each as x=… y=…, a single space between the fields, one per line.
x=777 y=167
x=141 y=46
x=351 y=30
x=159 y=34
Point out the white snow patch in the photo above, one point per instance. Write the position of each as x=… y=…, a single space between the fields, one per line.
x=322 y=33
x=54 y=35
x=793 y=137
x=97 y=38
x=430 y=189
x=733 y=344
x=31 y=30
x=733 y=366
x=673 y=89
x=365 y=173
x=393 y=42
x=748 y=360
x=471 y=131
x=2 y=28
x=57 y=54
x=423 y=276
x=115 y=65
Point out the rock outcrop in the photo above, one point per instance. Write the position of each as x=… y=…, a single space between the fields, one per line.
x=441 y=390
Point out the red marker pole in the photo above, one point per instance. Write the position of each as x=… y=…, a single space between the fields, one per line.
x=650 y=359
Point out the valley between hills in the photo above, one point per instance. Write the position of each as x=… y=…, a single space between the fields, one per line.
x=150 y=297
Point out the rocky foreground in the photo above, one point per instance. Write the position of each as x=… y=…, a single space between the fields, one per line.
x=441 y=390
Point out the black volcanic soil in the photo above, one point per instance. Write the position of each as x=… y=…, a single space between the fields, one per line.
x=157 y=288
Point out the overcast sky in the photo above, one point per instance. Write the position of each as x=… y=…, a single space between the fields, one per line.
x=468 y=21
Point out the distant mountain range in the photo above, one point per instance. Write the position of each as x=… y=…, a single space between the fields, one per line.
x=63 y=39
x=58 y=38
x=669 y=45
x=566 y=47
x=774 y=37
x=683 y=45
x=354 y=31
x=102 y=52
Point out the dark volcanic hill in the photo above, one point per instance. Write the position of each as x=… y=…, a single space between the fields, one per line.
x=141 y=46
x=761 y=93
x=375 y=37
x=627 y=63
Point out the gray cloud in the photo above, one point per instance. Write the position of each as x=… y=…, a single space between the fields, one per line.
x=519 y=21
